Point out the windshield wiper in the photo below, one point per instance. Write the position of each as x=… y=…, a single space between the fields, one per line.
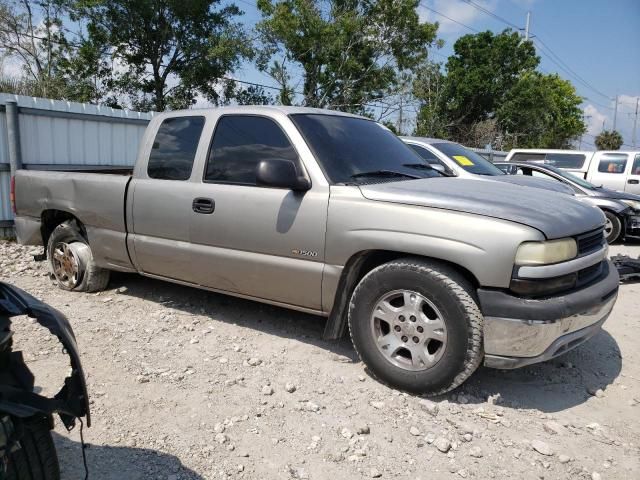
x=383 y=173
x=422 y=166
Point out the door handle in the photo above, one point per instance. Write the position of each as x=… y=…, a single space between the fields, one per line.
x=203 y=205
x=633 y=181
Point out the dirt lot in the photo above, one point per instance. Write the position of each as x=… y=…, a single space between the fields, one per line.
x=187 y=384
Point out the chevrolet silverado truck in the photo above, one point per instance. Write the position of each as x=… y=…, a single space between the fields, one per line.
x=332 y=214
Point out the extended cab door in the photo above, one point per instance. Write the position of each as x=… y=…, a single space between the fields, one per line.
x=161 y=196
x=258 y=241
x=609 y=169
x=633 y=179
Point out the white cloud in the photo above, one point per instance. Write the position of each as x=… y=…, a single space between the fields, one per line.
x=596 y=115
x=458 y=10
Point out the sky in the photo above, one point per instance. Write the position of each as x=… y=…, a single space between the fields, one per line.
x=593 y=43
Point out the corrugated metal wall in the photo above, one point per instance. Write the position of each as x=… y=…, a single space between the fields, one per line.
x=55 y=132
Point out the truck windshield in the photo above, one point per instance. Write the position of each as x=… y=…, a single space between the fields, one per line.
x=356 y=150
x=468 y=159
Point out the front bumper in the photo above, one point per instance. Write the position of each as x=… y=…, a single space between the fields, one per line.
x=632 y=222
x=519 y=332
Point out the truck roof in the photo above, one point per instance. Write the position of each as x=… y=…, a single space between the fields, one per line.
x=258 y=109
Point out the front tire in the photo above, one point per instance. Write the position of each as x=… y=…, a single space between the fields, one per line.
x=416 y=325
x=612 y=227
x=36 y=457
x=72 y=262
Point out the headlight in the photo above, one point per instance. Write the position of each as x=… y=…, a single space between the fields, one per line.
x=635 y=204
x=544 y=253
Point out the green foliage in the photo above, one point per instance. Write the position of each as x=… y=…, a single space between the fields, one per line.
x=491 y=93
x=428 y=87
x=609 y=140
x=350 y=52
x=541 y=111
x=253 y=95
x=483 y=68
x=160 y=54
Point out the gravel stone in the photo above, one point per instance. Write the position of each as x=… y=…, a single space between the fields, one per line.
x=442 y=444
x=541 y=447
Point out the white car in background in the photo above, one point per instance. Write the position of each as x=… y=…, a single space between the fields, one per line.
x=457 y=160
x=612 y=169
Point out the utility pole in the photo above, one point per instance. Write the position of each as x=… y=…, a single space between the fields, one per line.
x=615 y=114
x=584 y=117
x=526 y=28
x=635 y=124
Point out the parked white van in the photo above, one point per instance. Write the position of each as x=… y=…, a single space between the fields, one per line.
x=613 y=169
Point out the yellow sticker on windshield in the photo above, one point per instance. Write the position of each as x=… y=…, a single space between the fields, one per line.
x=462 y=160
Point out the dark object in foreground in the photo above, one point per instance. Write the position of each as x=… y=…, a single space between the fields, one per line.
x=628 y=268
x=26 y=418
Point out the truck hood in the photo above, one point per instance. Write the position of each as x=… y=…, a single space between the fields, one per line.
x=526 y=181
x=554 y=214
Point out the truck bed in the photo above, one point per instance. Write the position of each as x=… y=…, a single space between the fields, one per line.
x=96 y=199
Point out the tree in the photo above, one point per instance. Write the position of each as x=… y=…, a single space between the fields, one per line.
x=609 y=140
x=160 y=54
x=540 y=111
x=349 y=52
x=253 y=95
x=31 y=36
x=428 y=88
x=480 y=73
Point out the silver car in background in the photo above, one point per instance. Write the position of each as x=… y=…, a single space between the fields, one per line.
x=457 y=160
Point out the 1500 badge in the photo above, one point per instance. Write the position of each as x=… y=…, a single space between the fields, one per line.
x=304 y=253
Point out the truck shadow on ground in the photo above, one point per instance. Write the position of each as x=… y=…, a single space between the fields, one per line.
x=549 y=387
x=225 y=308
x=117 y=463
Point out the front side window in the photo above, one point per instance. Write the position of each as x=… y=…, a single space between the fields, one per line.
x=468 y=159
x=425 y=154
x=357 y=150
x=612 y=163
x=240 y=142
x=566 y=160
x=174 y=148
x=636 y=166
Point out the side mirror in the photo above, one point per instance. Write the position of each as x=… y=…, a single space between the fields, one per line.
x=438 y=167
x=280 y=174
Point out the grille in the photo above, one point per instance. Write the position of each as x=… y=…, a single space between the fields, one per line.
x=590 y=241
x=587 y=275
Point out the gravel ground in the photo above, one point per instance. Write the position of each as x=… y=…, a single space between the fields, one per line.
x=187 y=384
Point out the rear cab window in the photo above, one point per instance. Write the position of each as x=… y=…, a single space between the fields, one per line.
x=240 y=143
x=615 y=163
x=174 y=148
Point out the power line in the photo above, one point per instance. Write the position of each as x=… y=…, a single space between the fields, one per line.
x=551 y=54
x=582 y=80
x=490 y=13
x=449 y=18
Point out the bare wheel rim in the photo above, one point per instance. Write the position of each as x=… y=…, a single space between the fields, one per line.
x=608 y=227
x=67 y=263
x=409 y=330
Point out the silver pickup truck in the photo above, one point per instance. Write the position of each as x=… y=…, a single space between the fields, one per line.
x=332 y=214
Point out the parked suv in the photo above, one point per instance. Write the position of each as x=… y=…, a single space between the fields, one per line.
x=325 y=212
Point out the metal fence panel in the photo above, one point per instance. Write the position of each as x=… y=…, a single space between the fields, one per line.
x=5 y=204
x=70 y=134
